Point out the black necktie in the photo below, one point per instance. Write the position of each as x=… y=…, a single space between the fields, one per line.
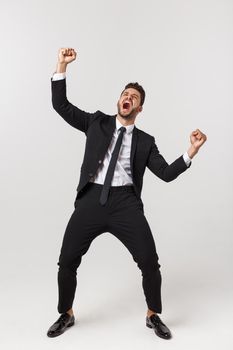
x=111 y=168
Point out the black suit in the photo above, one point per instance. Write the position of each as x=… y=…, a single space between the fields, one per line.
x=99 y=126
x=131 y=226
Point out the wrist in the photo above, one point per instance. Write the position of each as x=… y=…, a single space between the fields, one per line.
x=192 y=151
x=61 y=67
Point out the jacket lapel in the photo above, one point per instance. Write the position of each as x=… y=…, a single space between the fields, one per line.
x=133 y=147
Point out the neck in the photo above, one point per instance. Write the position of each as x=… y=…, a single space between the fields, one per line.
x=125 y=122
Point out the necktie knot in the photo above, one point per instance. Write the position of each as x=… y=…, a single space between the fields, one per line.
x=122 y=129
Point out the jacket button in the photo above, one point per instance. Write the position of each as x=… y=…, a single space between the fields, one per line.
x=100 y=161
x=90 y=174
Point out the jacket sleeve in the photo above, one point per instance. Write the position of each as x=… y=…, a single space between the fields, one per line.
x=158 y=165
x=74 y=116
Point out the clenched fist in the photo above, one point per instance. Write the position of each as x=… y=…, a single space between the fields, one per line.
x=66 y=55
x=197 y=138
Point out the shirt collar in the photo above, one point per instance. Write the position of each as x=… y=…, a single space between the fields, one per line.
x=129 y=128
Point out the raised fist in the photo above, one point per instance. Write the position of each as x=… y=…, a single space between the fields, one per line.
x=197 y=138
x=66 y=55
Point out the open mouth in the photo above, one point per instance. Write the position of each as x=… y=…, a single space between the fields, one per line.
x=126 y=105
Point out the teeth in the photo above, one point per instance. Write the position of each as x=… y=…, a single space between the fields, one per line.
x=126 y=104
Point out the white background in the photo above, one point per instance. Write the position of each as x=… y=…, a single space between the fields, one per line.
x=181 y=52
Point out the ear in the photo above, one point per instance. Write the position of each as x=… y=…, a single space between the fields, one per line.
x=140 y=108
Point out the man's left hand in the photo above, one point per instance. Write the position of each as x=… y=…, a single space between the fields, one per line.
x=197 y=139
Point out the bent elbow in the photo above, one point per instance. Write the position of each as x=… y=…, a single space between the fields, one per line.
x=59 y=107
x=168 y=178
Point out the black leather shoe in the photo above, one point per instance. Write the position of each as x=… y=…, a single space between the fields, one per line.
x=159 y=327
x=62 y=323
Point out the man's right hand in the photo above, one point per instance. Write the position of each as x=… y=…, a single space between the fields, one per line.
x=65 y=56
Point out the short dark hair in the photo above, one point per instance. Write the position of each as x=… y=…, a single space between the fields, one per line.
x=137 y=87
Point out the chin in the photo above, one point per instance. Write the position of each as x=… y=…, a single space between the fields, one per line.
x=127 y=116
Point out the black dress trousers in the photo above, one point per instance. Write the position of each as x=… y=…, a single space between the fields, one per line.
x=123 y=216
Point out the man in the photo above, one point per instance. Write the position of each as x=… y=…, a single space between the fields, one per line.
x=109 y=192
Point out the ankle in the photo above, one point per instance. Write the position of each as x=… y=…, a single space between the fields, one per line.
x=70 y=312
x=150 y=313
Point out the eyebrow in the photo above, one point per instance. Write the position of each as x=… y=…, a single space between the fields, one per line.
x=126 y=93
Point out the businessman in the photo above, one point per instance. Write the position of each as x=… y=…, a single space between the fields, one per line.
x=108 y=195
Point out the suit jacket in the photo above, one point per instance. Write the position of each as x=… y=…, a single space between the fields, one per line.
x=98 y=128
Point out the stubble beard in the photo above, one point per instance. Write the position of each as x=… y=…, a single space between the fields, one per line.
x=128 y=116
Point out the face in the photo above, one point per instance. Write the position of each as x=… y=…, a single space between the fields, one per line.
x=129 y=103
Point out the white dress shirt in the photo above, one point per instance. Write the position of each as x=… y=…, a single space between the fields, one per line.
x=122 y=173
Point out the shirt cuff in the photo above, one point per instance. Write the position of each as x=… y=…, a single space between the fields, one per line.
x=59 y=76
x=186 y=158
